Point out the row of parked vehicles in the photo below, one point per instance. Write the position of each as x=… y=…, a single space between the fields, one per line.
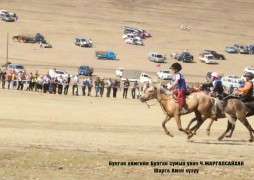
x=136 y=75
x=240 y=49
x=84 y=70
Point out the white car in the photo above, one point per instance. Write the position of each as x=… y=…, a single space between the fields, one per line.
x=164 y=74
x=233 y=80
x=16 y=67
x=249 y=69
x=134 y=41
x=82 y=42
x=127 y=36
x=57 y=73
x=119 y=72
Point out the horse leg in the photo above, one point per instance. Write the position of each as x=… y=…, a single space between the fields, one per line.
x=227 y=130
x=245 y=122
x=231 y=131
x=179 y=125
x=200 y=121
x=164 y=126
x=209 y=127
x=196 y=127
x=191 y=121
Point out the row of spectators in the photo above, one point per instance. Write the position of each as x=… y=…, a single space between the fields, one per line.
x=60 y=85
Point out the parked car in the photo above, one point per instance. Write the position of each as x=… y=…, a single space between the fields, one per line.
x=16 y=67
x=33 y=38
x=164 y=74
x=119 y=72
x=134 y=41
x=249 y=69
x=8 y=18
x=82 y=42
x=126 y=36
x=57 y=73
x=185 y=57
x=230 y=49
x=241 y=49
x=250 y=49
x=207 y=58
x=216 y=55
x=233 y=80
x=85 y=70
x=156 y=57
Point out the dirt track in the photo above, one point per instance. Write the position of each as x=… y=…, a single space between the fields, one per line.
x=64 y=137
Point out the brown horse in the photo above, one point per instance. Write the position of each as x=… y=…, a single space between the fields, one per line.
x=201 y=104
x=249 y=106
x=17 y=38
x=198 y=102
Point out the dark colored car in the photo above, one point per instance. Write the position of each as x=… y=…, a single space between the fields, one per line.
x=250 y=49
x=216 y=55
x=185 y=57
x=241 y=49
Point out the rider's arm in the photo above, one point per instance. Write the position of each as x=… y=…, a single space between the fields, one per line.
x=246 y=88
x=173 y=85
x=206 y=85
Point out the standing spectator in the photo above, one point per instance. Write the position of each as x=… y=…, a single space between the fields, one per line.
x=97 y=83
x=126 y=85
x=9 y=79
x=89 y=85
x=116 y=85
x=133 y=89
x=19 y=80
x=23 y=80
x=14 y=81
x=3 y=78
x=36 y=77
x=75 y=85
x=30 y=79
x=102 y=85
x=66 y=85
x=46 y=82
x=60 y=84
x=40 y=84
x=109 y=86
x=84 y=84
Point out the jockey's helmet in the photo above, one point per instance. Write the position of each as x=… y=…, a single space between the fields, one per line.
x=215 y=74
x=248 y=74
x=176 y=66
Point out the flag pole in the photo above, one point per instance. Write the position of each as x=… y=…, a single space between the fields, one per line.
x=7 y=50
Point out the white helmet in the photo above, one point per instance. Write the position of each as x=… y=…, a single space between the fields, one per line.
x=215 y=74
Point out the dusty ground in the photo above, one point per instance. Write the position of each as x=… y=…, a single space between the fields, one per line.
x=64 y=137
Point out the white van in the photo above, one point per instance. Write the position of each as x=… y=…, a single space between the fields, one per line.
x=16 y=67
x=156 y=57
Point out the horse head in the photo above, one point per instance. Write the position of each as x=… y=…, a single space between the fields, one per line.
x=153 y=92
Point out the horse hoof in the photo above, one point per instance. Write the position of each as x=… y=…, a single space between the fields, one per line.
x=251 y=140
x=168 y=133
x=190 y=136
x=219 y=139
x=228 y=136
x=208 y=133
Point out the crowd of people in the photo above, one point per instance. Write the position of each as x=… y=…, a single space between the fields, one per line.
x=53 y=84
